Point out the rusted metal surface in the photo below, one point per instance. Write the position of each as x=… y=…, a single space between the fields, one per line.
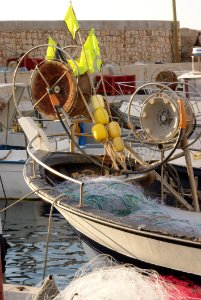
x=55 y=77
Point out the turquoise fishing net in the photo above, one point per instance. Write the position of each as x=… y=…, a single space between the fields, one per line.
x=107 y=195
x=128 y=202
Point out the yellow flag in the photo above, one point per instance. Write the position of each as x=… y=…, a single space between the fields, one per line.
x=78 y=66
x=90 y=56
x=50 y=54
x=71 y=21
x=74 y=64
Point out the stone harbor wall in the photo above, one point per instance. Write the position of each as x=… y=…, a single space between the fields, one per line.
x=121 y=42
x=189 y=39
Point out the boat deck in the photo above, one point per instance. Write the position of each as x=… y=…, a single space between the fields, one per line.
x=131 y=210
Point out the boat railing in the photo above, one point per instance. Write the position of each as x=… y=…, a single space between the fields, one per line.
x=36 y=160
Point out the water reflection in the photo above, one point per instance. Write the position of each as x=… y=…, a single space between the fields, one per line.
x=25 y=227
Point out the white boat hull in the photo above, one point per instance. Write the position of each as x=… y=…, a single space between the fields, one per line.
x=12 y=184
x=133 y=244
x=127 y=240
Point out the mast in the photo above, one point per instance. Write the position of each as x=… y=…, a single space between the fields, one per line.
x=175 y=33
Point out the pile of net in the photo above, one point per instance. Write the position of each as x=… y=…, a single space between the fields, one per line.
x=103 y=279
x=129 y=203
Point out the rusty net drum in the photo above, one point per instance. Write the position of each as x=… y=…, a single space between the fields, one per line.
x=167 y=77
x=58 y=77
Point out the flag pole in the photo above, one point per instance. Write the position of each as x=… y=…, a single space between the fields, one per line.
x=91 y=81
x=175 y=33
x=82 y=45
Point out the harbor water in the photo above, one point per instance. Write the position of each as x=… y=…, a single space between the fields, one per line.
x=25 y=226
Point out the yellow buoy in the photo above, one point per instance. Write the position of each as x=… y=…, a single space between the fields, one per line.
x=118 y=144
x=114 y=129
x=97 y=102
x=99 y=132
x=101 y=116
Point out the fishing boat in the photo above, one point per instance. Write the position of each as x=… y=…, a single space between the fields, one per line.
x=13 y=142
x=107 y=190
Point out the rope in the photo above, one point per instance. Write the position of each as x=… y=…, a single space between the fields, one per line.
x=4 y=192
x=10 y=49
x=49 y=223
x=49 y=232
x=148 y=167
x=24 y=197
x=7 y=154
x=94 y=161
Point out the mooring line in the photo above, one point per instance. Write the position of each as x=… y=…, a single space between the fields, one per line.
x=49 y=231
x=24 y=197
x=3 y=189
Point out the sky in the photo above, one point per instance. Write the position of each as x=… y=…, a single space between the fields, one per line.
x=188 y=11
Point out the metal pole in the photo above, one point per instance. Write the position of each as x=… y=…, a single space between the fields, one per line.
x=162 y=177
x=4 y=192
x=81 y=195
x=175 y=33
x=191 y=174
x=1 y=281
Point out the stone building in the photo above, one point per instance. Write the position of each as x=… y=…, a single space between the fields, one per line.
x=121 y=42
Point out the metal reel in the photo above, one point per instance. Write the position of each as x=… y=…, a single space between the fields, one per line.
x=159 y=119
x=154 y=117
x=52 y=76
x=166 y=75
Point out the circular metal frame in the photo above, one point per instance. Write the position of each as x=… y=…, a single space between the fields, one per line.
x=37 y=48
x=153 y=90
x=158 y=152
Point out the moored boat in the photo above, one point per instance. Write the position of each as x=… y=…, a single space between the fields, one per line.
x=13 y=142
x=98 y=194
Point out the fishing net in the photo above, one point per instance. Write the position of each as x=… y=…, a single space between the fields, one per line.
x=103 y=279
x=106 y=194
x=129 y=205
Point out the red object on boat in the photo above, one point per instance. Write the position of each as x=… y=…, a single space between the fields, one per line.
x=187 y=289
x=116 y=84
x=28 y=62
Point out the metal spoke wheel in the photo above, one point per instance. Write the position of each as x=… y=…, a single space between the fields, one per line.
x=156 y=115
x=46 y=76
